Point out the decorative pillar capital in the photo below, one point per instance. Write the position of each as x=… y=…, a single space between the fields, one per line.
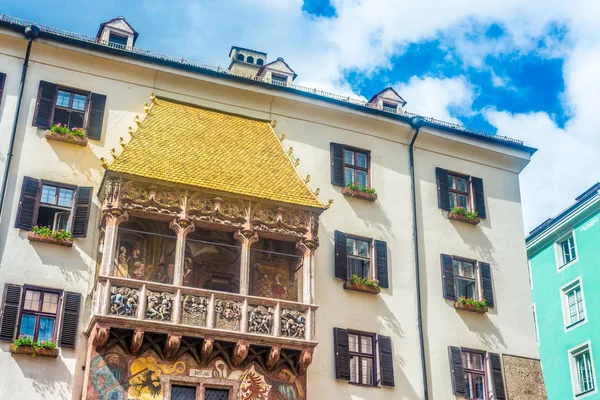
x=307 y=246
x=182 y=226
x=246 y=236
x=114 y=216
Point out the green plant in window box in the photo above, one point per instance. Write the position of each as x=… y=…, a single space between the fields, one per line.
x=46 y=231
x=65 y=130
x=470 y=215
x=472 y=303
x=63 y=133
x=44 y=347
x=356 y=282
x=360 y=188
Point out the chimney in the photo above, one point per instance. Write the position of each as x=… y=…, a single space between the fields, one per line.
x=117 y=33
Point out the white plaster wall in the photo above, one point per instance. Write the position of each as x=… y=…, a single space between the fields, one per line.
x=310 y=125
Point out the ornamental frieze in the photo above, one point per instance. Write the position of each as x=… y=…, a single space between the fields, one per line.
x=124 y=301
x=159 y=306
x=229 y=212
x=228 y=314
x=194 y=310
x=260 y=319
x=293 y=323
x=151 y=198
x=280 y=221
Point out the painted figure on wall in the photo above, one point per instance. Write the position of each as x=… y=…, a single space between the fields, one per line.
x=108 y=376
x=274 y=274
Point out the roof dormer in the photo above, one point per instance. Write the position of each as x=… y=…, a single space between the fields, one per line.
x=388 y=100
x=246 y=61
x=117 y=33
x=278 y=72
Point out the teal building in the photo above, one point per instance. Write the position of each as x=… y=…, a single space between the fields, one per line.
x=564 y=262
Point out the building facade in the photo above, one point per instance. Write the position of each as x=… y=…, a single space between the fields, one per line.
x=563 y=258
x=236 y=235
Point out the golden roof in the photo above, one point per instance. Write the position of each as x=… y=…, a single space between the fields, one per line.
x=194 y=146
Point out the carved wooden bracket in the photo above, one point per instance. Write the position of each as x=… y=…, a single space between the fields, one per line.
x=305 y=360
x=240 y=352
x=172 y=345
x=274 y=354
x=207 y=348
x=136 y=341
x=101 y=334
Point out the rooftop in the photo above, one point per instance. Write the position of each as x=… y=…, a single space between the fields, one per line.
x=77 y=39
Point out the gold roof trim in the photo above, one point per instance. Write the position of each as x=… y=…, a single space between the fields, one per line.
x=190 y=145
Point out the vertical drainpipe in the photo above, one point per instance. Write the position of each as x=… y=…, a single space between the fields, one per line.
x=416 y=123
x=31 y=33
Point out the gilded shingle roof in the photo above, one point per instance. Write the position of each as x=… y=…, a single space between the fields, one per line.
x=194 y=146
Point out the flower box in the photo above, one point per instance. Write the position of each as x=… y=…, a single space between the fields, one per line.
x=469 y=307
x=462 y=218
x=81 y=141
x=359 y=194
x=34 y=237
x=360 y=287
x=30 y=350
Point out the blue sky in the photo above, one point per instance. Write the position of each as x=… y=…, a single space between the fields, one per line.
x=522 y=69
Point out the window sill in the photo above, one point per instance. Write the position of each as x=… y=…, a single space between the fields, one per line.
x=584 y=393
x=460 y=306
x=362 y=384
x=67 y=138
x=34 y=237
x=359 y=194
x=462 y=218
x=574 y=324
x=29 y=350
x=361 y=288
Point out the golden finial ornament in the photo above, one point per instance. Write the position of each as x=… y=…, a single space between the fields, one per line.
x=122 y=142
x=103 y=162
x=274 y=124
x=130 y=131
x=290 y=151
x=329 y=203
x=316 y=192
x=307 y=179
x=153 y=98
x=282 y=138
x=297 y=162
x=146 y=108
x=137 y=120
x=113 y=153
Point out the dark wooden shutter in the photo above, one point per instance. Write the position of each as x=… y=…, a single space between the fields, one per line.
x=44 y=109
x=2 y=80
x=442 y=184
x=70 y=320
x=337 y=164
x=478 y=196
x=497 y=376
x=486 y=283
x=341 y=256
x=386 y=360
x=82 y=211
x=382 y=263
x=456 y=369
x=342 y=354
x=94 y=128
x=448 y=277
x=27 y=211
x=10 y=311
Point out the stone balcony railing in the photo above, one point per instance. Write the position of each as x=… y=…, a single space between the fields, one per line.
x=178 y=310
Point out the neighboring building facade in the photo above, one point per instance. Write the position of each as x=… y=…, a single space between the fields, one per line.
x=205 y=266
x=563 y=259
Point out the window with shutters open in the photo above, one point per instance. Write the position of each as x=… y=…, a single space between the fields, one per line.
x=70 y=107
x=350 y=166
x=476 y=374
x=573 y=304
x=459 y=190
x=59 y=206
x=469 y=279
x=364 y=257
x=566 y=251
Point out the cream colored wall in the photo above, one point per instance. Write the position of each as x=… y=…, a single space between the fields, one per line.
x=310 y=125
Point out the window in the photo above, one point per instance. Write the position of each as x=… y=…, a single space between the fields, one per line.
x=459 y=190
x=250 y=59
x=573 y=303
x=70 y=108
x=362 y=358
x=359 y=256
x=389 y=106
x=259 y=61
x=278 y=80
x=39 y=310
x=582 y=370
x=465 y=279
x=179 y=392
x=239 y=57
x=216 y=394
x=55 y=207
x=118 y=40
x=474 y=370
x=567 y=250
x=356 y=167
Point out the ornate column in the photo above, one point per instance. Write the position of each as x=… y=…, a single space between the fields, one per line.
x=113 y=217
x=308 y=248
x=246 y=237
x=181 y=227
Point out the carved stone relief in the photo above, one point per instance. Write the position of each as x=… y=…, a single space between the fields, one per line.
x=152 y=198
x=159 y=306
x=228 y=212
x=194 y=310
x=124 y=301
x=293 y=323
x=228 y=314
x=280 y=221
x=260 y=319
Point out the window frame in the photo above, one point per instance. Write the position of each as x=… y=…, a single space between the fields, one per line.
x=564 y=294
x=58 y=186
x=573 y=353
x=558 y=251
x=477 y=279
x=200 y=383
x=281 y=80
x=468 y=193
x=38 y=314
x=355 y=167
x=360 y=355
x=72 y=90
x=535 y=324
x=484 y=371
x=120 y=36
x=371 y=259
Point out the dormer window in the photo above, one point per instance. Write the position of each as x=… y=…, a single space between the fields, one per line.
x=279 y=80
x=250 y=60
x=388 y=106
x=240 y=57
x=259 y=61
x=118 y=40
x=117 y=33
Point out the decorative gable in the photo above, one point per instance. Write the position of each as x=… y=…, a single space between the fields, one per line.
x=388 y=99
x=278 y=71
x=117 y=33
